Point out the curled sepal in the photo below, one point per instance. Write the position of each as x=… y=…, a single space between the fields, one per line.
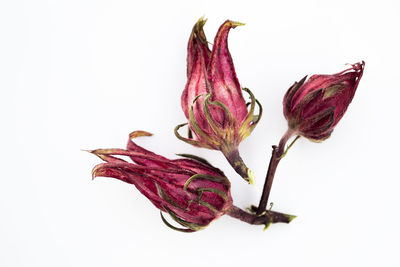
x=209 y=184
x=199 y=131
x=225 y=129
x=207 y=205
x=251 y=120
x=190 y=225
x=257 y=118
x=250 y=114
x=187 y=140
x=165 y=197
x=184 y=230
x=218 y=179
x=219 y=192
x=217 y=129
x=228 y=113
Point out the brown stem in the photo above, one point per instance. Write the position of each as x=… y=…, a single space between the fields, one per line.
x=277 y=152
x=266 y=219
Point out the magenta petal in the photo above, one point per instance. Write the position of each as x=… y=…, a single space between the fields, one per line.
x=197 y=47
x=222 y=75
x=153 y=159
x=197 y=60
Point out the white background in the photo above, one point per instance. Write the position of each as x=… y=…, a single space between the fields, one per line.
x=84 y=74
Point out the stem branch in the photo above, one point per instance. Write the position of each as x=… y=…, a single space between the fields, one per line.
x=266 y=219
x=277 y=153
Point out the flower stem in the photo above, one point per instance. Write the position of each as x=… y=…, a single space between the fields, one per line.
x=238 y=165
x=266 y=219
x=277 y=154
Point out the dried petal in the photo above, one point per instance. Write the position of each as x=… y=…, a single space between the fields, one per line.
x=222 y=75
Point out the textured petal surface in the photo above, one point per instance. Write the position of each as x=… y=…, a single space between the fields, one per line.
x=197 y=61
x=222 y=75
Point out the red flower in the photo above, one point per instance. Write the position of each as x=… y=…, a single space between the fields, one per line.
x=190 y=190
x=314 y=107
x=212 y=100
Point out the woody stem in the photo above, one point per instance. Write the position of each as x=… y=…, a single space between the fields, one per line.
x=277 y=152
x=267 y=218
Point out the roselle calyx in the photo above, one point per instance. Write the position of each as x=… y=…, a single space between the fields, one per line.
x=189 y=189
x=212 y=101
x=313 y=107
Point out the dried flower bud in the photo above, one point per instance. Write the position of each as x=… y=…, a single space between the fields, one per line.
x=314 y=107
x=190 y=190
x=212 y=100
